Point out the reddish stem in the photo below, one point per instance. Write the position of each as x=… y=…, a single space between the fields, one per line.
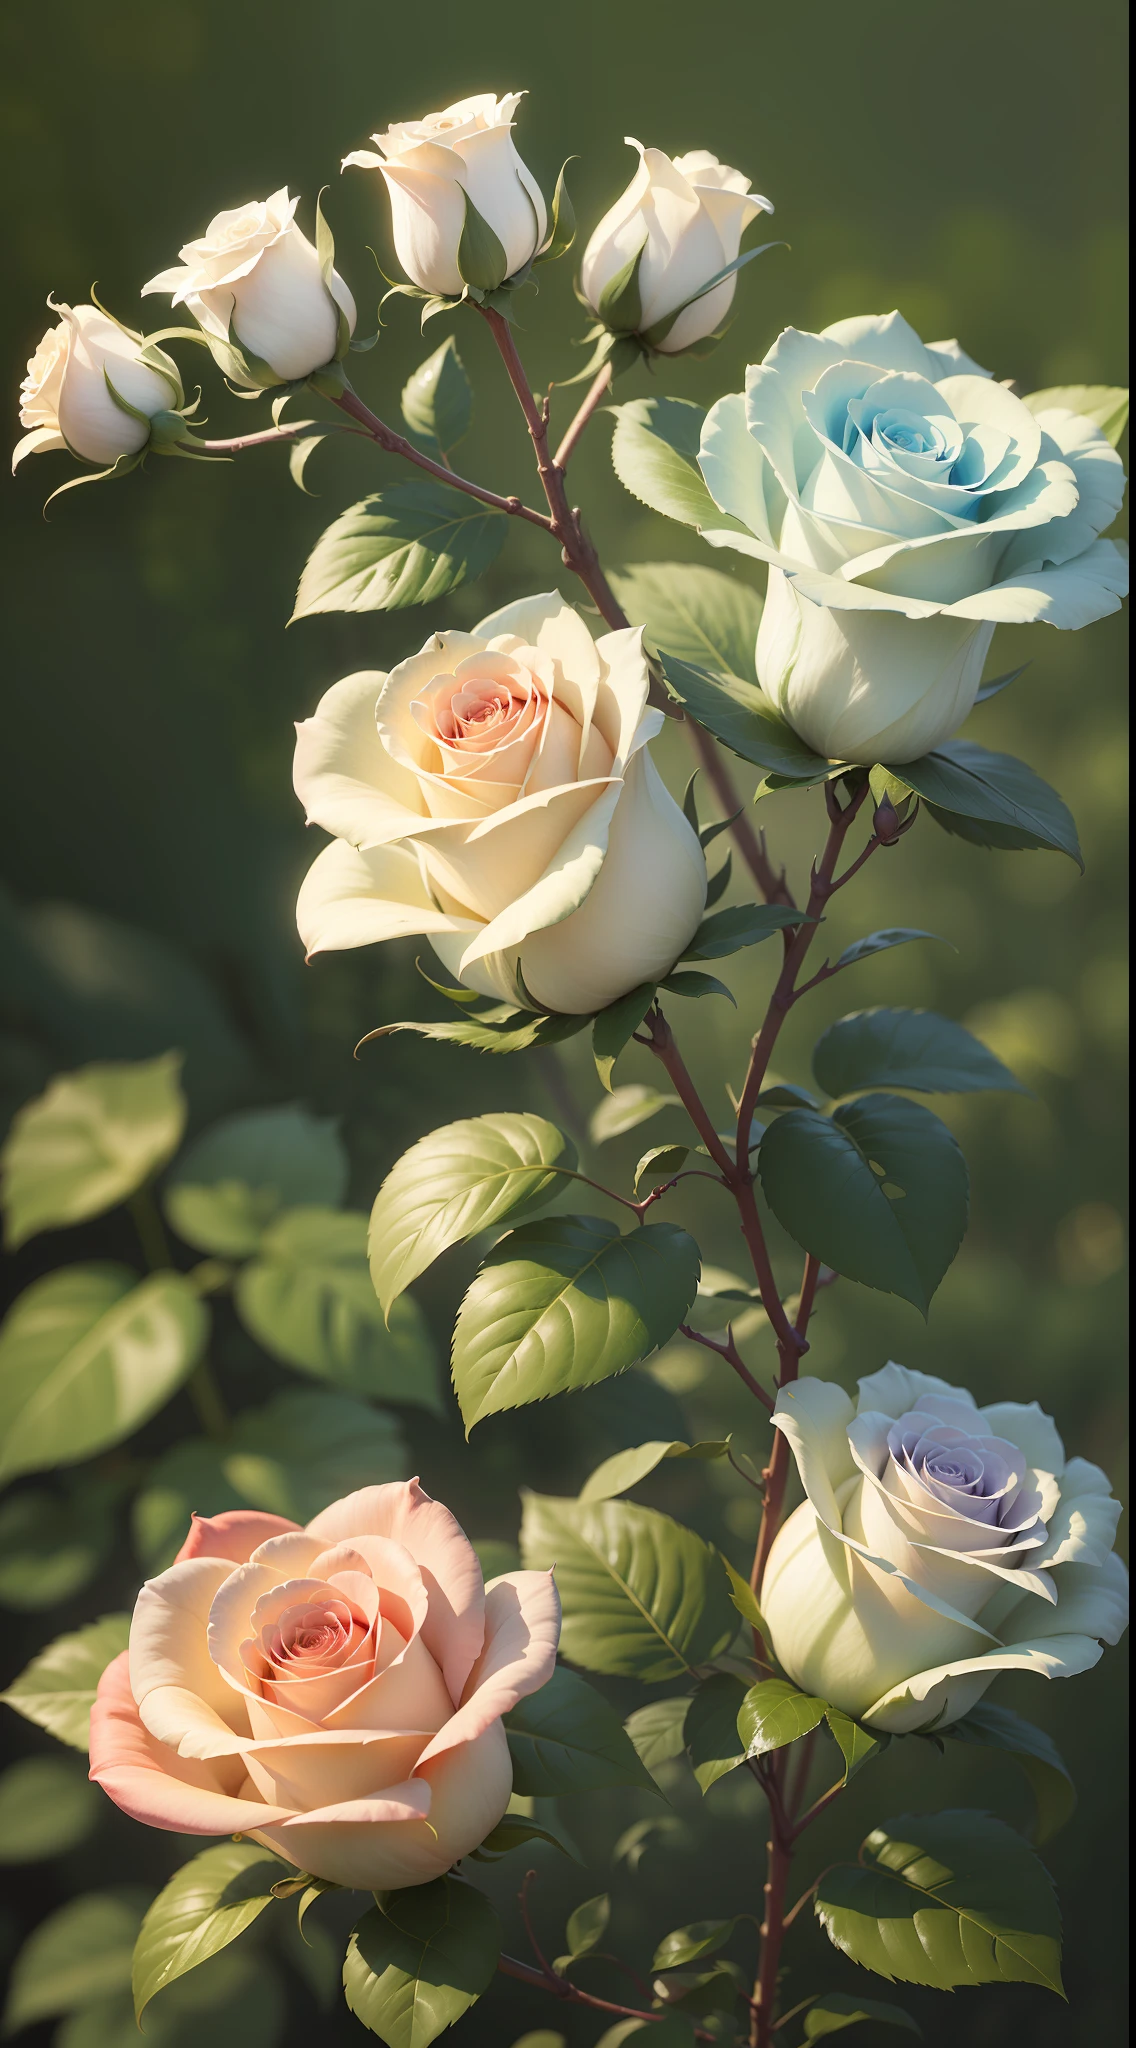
x=597 y=391
x=729 y=1351
x=397 y=444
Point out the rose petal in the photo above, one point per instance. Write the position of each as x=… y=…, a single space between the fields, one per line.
x=328 y=1767
x=151 y=1782
x=234 y=1534
x=522 y=1629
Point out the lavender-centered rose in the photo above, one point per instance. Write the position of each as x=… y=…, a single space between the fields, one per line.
x=333 y=1692
x=939 y=1544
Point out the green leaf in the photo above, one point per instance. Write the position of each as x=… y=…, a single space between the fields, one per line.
x=785 y=1095
x=660 y=1164
x=719 y=883
x=482 y=261
x=712 y=1728
x=993 y=1727
x=461 y=1179
x=879 y=942
x=308 y=1298
x=991 y=799
x=47 y=1806
x=290 y=1458
x=79 y=1953
x=516 y=1831
x=483 y=1036
x=420 y=1959
x=945 y=1899
x=658 y=1730
x=437 y=403
x=686 y=1944
x=695 y=985
x=87 y=1355
x=997 y=684
x=204 y=1907
x=835 y=2010
x=57 y=1689
x=565 y=1302
x=744 y=1599
x=654 y=452
x=746 y=924
x=878 y=1191
x=620 y=1473
x=1105 y=404
x=643 y=1597
x=693 y=614
x=906 y=1049
x=627 y=1108
x=90 y=1140
x=857 y=1745
x=741 y=716
x=612 y=1028
x=566 y=1738
x=234 y=1180
x=586 y=1928
x=408 y=544
x=773 y=1713
x=52 y=1544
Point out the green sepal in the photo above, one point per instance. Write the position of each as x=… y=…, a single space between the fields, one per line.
x=620 y=306
x=562 y=220
x=614 y=1028
x=690 y=982
x=325 y=250
x=482 y=261
x=659 y=331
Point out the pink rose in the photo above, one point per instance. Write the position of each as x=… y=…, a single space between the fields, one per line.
x=334 y=1692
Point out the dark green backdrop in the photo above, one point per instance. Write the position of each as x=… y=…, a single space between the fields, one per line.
x=965 y=164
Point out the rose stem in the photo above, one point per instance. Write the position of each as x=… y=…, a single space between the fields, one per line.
x=201 y=1386
x=596 y=391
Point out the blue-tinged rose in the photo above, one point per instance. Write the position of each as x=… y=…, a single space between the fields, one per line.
x=906 y=503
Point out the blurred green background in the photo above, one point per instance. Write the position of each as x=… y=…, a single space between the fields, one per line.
x=964 y=165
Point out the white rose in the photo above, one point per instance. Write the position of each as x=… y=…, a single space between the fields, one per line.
x=495 y=793
x=688 y=215
x=65 y=398
x=254 y=270
x=429 y=167
x=906 y=503
x=940 y=1544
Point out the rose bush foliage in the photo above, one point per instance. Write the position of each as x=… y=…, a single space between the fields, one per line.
x=496 y=794
x=906 y=504
x=334 y=1692
x=939 y=1544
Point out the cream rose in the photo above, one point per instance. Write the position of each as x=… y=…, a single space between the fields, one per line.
x=255 y=271
x=940 y=1544
x=334 y=1692
x=495 y=793
x=687 y=214
x=66 y=398
x=430 y=166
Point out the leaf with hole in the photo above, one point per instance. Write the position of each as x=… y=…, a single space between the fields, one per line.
x=642 y=1596
x=459 y=1180
x=308 y=1298
x=88 y=1142
x=408 y=544
x=625 y=1469
x=204 y=1907
x=87 y=1355
x=995 y=1727
x=712 y=1737
x=565 y=1302
x=694 y=614
x=906 y=1049
x=437 y=403
x=420 y=1959
x=773 y=1714
x=57 y=1689
x=234 y=1180
x=567 y=1738
x=992 y=800
x=945 y=1899
x=878 y=1191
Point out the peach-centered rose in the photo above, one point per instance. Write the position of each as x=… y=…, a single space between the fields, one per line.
x=496 y=794
x=333 y=1692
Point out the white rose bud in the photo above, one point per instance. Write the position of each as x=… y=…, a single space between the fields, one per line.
x=939 y=1545
x=687 y=214
x=431 y=165
x=65 y=398
x=255 y=272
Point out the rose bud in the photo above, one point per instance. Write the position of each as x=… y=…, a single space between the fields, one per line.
x=255 y=278
x=430 y=167
x=687 y=215
x=66 y=398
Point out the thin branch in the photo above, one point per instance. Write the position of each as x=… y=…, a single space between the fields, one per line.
x=729 y=1352
x=818 y=1807
x=397 y=444
x=597 y=391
